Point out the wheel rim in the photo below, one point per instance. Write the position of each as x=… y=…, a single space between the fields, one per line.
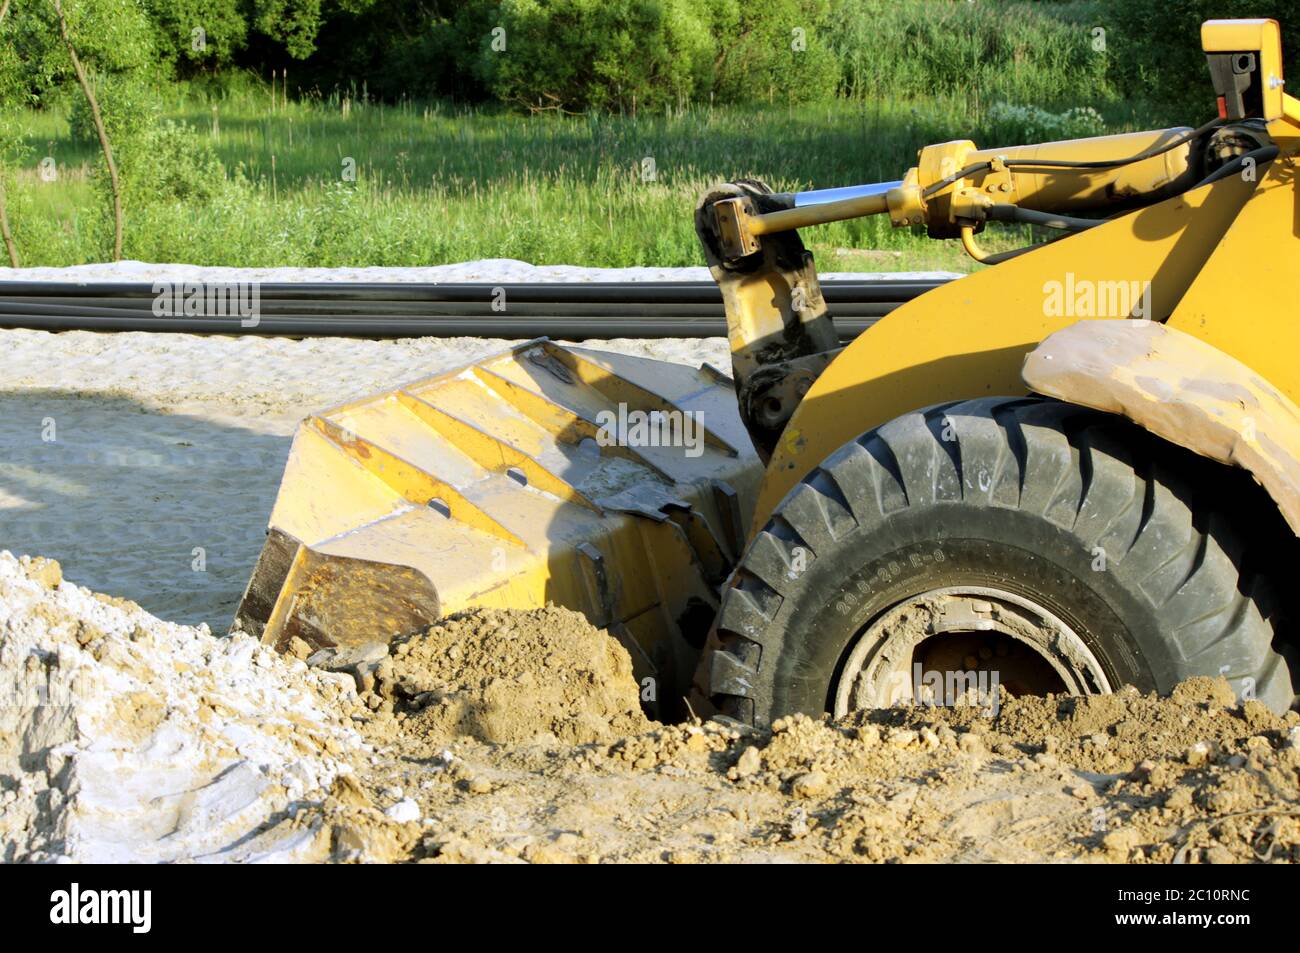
x=1012 y=642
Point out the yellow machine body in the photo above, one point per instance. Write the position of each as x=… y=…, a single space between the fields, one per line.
x=969 y=338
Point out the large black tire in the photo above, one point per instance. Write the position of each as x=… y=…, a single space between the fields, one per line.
x=1021 y=493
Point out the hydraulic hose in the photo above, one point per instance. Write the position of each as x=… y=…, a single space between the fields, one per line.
x=1029 y=216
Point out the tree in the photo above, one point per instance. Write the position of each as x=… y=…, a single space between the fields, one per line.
x=104 y=144
x=199 y=34
x=572 y=55
x=294 y=23
x=6 y=80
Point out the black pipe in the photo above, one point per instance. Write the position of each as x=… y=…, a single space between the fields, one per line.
x=125 y=307
x=304 y=326
x=560 y=310
x=891 y=289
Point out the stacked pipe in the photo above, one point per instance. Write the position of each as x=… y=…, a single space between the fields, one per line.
x=640 y=309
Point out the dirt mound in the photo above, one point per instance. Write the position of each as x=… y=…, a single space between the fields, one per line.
x=512 y=677
x=1199 y=777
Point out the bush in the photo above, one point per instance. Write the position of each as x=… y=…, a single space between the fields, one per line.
x=575 y=55
x=158 y=160
x=597 y=54
x=1155 y=49
x=170 y=161
x=1014 y=125
x=779 y=51
x=128 y=104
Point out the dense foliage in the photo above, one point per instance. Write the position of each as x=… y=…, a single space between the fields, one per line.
x=1155 y=49
x=574 y=55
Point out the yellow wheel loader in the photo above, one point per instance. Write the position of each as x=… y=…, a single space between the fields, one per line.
x=1073 y=470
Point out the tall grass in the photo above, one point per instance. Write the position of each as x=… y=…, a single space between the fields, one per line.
x=1038 y=53
x=436 y=183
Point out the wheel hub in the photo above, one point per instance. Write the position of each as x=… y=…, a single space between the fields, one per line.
x=960 y=645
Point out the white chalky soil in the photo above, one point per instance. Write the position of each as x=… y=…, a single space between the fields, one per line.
x=124 y=738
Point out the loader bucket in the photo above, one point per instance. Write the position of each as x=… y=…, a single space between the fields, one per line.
x=613 y=485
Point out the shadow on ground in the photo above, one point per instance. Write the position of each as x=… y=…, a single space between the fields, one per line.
x=166 y=509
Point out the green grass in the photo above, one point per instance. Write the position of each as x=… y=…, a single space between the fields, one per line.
x=437 y=184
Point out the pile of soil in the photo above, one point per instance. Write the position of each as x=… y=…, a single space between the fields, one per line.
x=533 y=775
x=536 y=677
